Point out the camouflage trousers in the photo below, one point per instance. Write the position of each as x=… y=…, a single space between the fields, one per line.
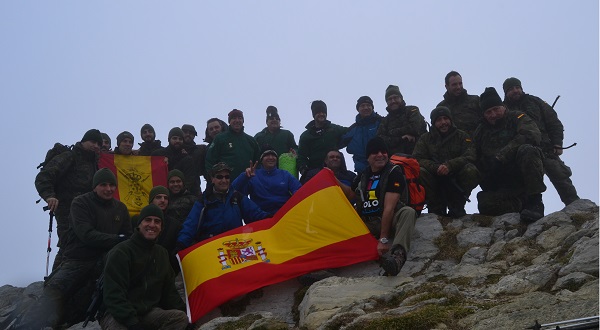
x=157 y=318
x=560 y=176
x=403 y=225
x=449 y=191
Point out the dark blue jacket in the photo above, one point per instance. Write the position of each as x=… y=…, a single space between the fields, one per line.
x=268 y=189
x=355 y=140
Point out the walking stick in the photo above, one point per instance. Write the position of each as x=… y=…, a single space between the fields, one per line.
x=49 y=241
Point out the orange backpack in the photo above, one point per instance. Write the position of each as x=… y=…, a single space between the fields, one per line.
x=411 y=169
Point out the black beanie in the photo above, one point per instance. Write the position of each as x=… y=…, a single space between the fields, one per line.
x=103 y=175
x=145 y=127
x=272 y=112
x=175 y=131
x=188 y=127
x=510 y=83
x=106 y=137
x=150 y=210
x=267 y=150
x=438 y=112
x=364 y=99
x=318 y=106
x=156 y=191
x=375 y=145
x=392 y=90
x=176 y=173
x=122 y=137
x=92 y=135
x=489 y=98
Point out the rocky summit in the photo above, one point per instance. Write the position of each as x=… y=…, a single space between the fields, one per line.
x=475 y=272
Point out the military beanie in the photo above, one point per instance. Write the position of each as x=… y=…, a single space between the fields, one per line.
x=188 y=127
x=92 y=135
x=234 y=113
x=438 y=112
x=392 y=90
x=145 y=127
x=489 y=98
x=176 y=173
x=272 y=112
x=364 y=99
x=157 y=190
x=150 y=210
x=218 y=167
x=375 y=145
x=318 y=106
x=103 y=175
x=175 y=131
x=510 y=83
x=122 y=137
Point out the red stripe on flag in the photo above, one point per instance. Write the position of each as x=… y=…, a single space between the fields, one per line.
x=108 y=161
x=159 y=171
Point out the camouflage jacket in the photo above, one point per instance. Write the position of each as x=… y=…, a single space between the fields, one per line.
x=67 y=176
x=407 y=120
x=465 y=110
x=544 y=116
x=456 y=149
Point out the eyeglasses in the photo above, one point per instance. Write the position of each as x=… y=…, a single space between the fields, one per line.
x=221 y=177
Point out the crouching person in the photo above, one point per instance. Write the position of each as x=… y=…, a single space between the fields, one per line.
x=139 y=285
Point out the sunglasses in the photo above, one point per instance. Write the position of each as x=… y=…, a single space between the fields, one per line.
x=221 y=177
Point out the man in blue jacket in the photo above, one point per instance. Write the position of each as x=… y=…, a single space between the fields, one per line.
x=363 y=130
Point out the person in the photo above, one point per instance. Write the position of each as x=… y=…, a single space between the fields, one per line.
x=381 y=194
x=319 y=137
x=180 y=199
x=149 y=141
x=189 y=134
x=403 y=124
x=159 y=196
x=174 y=152
x=447 y=157
x=551 y=129
x=335 y=161
x=124 y=144
x=268 y=186
x=464 y=108
x=281 y=140
x=221 y=209
x=139 y=286
x=233 y=147
x=106 y=144
x=65 y=177
x=509 y=160
x=359 y=133
x=97 y=223
x=214 y=126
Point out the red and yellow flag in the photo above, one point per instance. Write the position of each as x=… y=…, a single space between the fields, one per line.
x=136 y=176
x=316 y=229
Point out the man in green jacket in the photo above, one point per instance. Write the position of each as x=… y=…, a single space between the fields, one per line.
x=281 y=140
x=466 y=114
x=139 y=284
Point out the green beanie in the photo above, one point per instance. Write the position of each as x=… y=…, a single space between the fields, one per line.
x=122 y=136
x=103 y=175
x=176 y=173
x=392 y=90
x=438 y=112
x=175 y=131
x=156 y=191
x=150 y=210
x=92 y=135
x=510 y=83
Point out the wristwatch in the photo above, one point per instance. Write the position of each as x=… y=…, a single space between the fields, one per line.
x=384 y=240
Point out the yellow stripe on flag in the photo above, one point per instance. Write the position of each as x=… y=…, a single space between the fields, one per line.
x=134 y=178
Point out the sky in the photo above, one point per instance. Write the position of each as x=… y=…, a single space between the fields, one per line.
x=68 y=66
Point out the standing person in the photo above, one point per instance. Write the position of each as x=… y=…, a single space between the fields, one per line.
x=214 y=126
x=149 y=141
x=65 y=177
x=106 y=144
x=180 y=199
x=192 y=166
x=359 y=133
x=335 y=161
x=403 y=124
x=174 y=152
x=381 y=194
x=319 y=137
x=98 y=222
x=233 y=147
x=268 y=186
x=139 y=286
x=551 y=129
x=189 y=134
x=124 y=144
x=464 y=108
x=447 y=156
x=281 y=140
x=509 y=160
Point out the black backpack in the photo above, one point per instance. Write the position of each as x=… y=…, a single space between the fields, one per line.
x=56 y=150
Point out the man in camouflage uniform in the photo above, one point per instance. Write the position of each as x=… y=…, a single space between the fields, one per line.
x=466 y=114
x=447 y=158
x=403 y=124
x=510 y=161
x=552 y=136
x=65 y=177
x=149 y=142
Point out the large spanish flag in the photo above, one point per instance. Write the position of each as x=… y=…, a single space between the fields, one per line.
x=316 y=229
x=136 y=176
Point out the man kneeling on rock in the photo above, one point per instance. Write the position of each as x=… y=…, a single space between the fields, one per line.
x=380 y=191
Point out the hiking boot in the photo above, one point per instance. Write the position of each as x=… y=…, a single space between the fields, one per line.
x=533 y=209
x=393 y=261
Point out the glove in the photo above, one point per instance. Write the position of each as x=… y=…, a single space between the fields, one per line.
x=136 y=326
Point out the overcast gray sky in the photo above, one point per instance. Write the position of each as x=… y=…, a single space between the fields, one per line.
x=68 y=66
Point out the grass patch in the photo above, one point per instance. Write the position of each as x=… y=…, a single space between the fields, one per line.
x=243 y=323
x=580 y=218
x=483 y=220
x=448 y=245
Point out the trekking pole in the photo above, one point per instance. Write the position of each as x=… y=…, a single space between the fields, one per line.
x=46 y=208
x=555 y=100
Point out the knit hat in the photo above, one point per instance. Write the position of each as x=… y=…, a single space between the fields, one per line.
x=267 y=150
x=188 y=127
x=510 y=83
x=106 y=137
x=92 y=135
x=175 y=131
x=438 y=112
x=157 y=190
x=145 y=127
x=318 y=106
x=364 y=99
x=375 y=145
x=103 y=175
x=272 y=112
x=122 y=137
x=392 y=90
x=218 y=167
x=150 y=210
x=176 y=173
x=234 y=113
x=489 y=98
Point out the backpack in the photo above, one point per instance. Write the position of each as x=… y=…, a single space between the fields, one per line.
x=56 y=150
x=411 y=169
